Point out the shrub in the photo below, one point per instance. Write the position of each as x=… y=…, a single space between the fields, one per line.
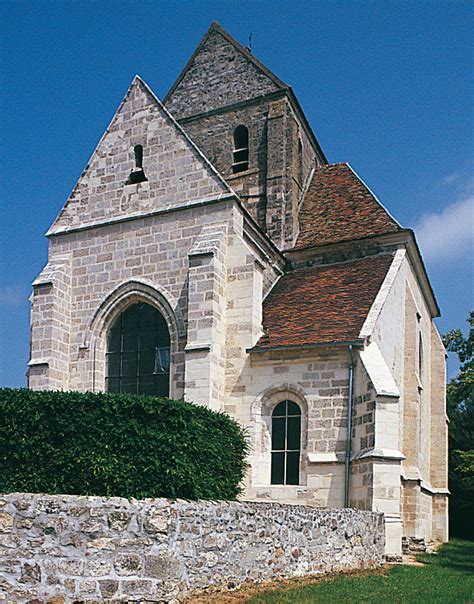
x=117 y=445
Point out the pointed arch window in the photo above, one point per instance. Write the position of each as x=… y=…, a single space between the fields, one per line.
x=241 y=150
x=138 y=352
x=286 y=443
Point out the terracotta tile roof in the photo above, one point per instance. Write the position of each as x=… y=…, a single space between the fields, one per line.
x=322 y=304
x=339 y=207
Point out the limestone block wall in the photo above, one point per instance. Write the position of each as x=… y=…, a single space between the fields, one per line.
x=48 y=366
x=92 y=548
x=220 y=74
x=272 y=185
x=153 y=258
x=152 y=250
x=214 y=136
x=413 y=352
x=175 y=169
x=363 y=438
x=318 y=383
x=205 y=348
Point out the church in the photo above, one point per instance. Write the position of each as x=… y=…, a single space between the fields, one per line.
x=210 y=252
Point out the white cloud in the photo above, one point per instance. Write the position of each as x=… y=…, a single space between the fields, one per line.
x=461 y=181
x=449 y=234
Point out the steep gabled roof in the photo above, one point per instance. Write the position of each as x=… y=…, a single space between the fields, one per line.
x=205 y=69
x=102 y=194
x=338 y=206
x=322 y=304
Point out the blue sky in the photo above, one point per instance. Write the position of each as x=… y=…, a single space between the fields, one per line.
x=386 y=85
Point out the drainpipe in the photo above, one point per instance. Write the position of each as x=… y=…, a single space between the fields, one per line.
x=349 y=431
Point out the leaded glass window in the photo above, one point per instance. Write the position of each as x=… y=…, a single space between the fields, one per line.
x=286 y=443
x=138 y=352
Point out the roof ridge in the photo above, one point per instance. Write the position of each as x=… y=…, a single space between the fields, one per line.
x=333 y=164
x=215 y=26
x=383 y=252
x=374 y=196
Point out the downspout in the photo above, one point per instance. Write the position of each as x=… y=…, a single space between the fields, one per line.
x=349 y=431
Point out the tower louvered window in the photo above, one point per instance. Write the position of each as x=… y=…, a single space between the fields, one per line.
x=241 y=150
x=286 y=443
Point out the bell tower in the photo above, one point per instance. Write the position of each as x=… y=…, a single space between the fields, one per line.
x=250 y=126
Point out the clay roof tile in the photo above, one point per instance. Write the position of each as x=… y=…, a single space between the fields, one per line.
x=322 y=304
x=338 y=206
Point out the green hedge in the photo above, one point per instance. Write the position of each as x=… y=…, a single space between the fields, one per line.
x=117 y=445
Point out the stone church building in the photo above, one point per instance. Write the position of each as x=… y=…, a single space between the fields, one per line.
x=210 y=252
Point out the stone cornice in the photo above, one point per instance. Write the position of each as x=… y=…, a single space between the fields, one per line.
x=159 y=212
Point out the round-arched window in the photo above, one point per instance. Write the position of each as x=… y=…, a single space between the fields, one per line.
x=286 y=443
x=138 y=352
x=241 y=150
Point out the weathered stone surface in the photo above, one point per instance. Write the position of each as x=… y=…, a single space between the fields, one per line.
x=136 y=587
x=92 y=526
x=71 y=567
x=128 y=564
x=173 y=547
x=25 y=523
x=6 y=522
x=108 y=587
x=87 y=587
x=99 y=567
x=30 y=573
x=163 y=567
x=119 y=521
x=157 y=521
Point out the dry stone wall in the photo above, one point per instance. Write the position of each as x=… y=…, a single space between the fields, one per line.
x=71 y=548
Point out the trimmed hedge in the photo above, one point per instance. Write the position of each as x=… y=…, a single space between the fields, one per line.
x=117 y=445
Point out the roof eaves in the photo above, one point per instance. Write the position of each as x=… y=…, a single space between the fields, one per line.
x=424 y=273
x=357 y=342
x=339 y=242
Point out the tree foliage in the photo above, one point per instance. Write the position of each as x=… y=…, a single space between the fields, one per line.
x=117 y=445
x=460 y=409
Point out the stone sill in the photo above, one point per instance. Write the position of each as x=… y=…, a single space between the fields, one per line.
x=243 y=173
x=205 y=347
x=325 y=457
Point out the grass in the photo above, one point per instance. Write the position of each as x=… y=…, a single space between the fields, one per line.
x=446 y=577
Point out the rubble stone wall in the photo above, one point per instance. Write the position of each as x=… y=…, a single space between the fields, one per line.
x=68 y=548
